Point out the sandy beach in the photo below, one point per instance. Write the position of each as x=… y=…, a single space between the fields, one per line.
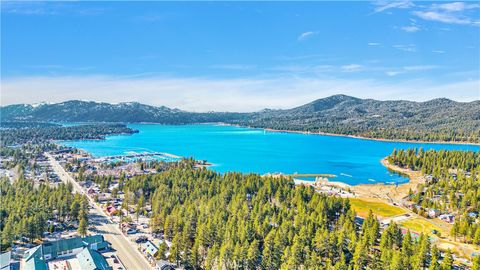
x=385 y=192
x=380 y=191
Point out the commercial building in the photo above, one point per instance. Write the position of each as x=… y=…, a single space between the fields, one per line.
x=86 y=249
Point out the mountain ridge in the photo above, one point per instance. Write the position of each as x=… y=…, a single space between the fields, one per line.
x=438 y=119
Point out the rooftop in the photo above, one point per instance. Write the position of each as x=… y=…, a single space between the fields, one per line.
x=92 y=260
x=5 y=260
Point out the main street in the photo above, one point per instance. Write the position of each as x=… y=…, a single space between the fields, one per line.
x=131 y=258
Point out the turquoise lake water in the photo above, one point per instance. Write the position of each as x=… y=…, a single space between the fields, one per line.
x=229 y=148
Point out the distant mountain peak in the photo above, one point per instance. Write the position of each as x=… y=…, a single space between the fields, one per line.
x=440 y=101
x=341 y=97
x=326 y=103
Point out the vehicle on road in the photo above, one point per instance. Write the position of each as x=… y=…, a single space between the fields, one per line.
x=131 y=231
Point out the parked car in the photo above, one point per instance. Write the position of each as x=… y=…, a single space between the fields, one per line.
x=158 y=235
x=141 y=239
x=131 y=231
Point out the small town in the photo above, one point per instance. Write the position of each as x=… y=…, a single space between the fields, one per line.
x=62 y=247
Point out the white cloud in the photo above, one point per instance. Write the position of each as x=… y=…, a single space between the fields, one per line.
x=352 y=67
x=410 y=29
x=452 y=13
x=206 y=94
x=420 y=67
x=411 y=69
x=438 y=51
x=406 y=48
x=47 y=8
x=306 y=35
x=374 y=44
x=442 y=17
x=297 y=69
x=393 y=73
x=385 y=5
x=455 y=6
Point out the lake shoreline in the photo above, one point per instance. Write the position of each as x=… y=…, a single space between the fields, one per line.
x=298 y=132
x=348 y=136
x=393 y=193
x=354 y=162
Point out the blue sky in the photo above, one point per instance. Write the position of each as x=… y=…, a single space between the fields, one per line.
x=238 y=55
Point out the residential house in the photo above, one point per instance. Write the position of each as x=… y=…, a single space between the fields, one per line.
x=447 y=218
x=164 y=265
x=433 y=213
x=111 y=210
x=150 y=250
x=102 y=197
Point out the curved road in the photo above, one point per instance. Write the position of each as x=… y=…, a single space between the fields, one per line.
x=131 y=258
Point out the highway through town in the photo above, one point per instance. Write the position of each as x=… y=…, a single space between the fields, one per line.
x=130 y=257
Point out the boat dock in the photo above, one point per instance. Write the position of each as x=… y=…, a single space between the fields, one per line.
x=136 y=156
x=327 y=175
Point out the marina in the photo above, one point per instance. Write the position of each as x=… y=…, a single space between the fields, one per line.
x=145 y=156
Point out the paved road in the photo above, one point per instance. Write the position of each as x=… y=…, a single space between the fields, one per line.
x=128 y=254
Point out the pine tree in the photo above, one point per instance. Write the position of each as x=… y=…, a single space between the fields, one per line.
x=476 y=263
x=420 y=256
x=253 y=255
x=83 y=226
x=397 y=261
x=406 y=253
x=447 y=262
x=175 y=249
x=270 y=258
x=7 y=234
x=140 y=205
x=434 y=265
x=360 y=256
x=341 y=264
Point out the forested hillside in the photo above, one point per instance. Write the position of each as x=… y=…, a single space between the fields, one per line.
x=42 y=133
x=88 y=111
x=435 y=120
x=453 y=185
x=244 y=221
x=25 y=209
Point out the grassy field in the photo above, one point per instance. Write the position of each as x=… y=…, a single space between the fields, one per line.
x=362 y=207
x=420 y=225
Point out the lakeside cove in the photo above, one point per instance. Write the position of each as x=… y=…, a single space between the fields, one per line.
x=386 y=192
